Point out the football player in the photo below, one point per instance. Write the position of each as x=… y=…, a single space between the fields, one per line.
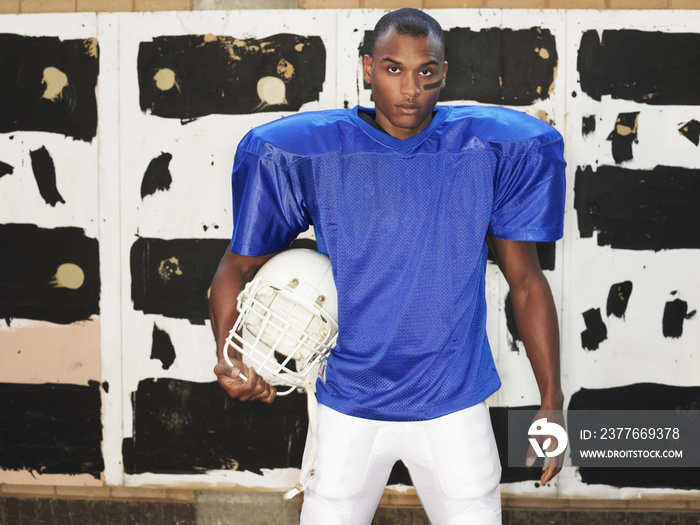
x=406 y=199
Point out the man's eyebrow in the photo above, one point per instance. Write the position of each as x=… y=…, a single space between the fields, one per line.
x=428 y=63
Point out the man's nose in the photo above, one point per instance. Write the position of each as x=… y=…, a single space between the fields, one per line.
x=410 y=86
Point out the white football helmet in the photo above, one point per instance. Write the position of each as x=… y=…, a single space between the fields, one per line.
x=287 y=323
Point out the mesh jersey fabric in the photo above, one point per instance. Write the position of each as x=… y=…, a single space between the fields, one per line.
x=404 y=224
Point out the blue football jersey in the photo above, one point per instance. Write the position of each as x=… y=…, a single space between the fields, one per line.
x=404 y=223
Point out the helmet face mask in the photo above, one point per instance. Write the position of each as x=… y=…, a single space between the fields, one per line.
x=287 y=323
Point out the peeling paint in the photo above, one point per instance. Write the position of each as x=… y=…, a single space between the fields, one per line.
x=228 y=75
x=638 y=209
x=52 y=88
x=651 y=67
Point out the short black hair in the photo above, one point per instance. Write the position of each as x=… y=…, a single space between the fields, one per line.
x=411 y=22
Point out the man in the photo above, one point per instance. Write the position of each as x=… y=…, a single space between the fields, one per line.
x=405 y=199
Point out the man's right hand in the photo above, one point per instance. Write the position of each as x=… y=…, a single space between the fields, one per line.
x=254 y=388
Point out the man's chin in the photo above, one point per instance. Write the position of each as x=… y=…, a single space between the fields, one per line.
x=410 y=124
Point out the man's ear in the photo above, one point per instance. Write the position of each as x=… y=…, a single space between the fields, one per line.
x=444 y=74
x=367 y=68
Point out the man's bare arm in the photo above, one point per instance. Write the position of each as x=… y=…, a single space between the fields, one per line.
x=231 y=276
x=536 y=318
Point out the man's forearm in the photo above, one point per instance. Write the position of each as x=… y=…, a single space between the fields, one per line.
x=536 y=318
x=222 y=306
x=231 y=276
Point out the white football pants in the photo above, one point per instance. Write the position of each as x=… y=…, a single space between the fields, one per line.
x=453 y=462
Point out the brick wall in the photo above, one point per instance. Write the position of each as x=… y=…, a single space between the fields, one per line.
x=63 y=6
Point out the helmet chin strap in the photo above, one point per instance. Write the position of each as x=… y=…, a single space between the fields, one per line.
x=307 y=471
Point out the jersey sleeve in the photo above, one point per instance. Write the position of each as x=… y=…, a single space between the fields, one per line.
x=529 y=194
x=267 y=215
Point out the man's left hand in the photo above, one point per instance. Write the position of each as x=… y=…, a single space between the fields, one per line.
x=552 y=465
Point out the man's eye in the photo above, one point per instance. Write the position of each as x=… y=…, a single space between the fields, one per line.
x=393 y=69
x=425 y=73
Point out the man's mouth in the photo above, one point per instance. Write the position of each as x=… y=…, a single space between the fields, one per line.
x=408 y=109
